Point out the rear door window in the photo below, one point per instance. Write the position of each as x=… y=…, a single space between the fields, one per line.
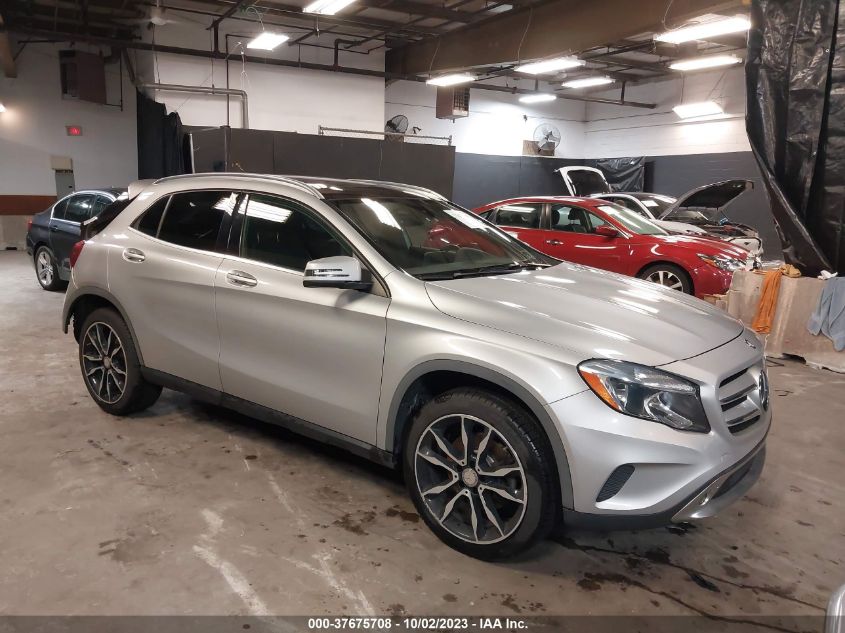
x=194 y=219
x=59 y=209
x=524 y=215
x=79 y=208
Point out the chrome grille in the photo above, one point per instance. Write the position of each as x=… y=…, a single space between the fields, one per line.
x=740 y=397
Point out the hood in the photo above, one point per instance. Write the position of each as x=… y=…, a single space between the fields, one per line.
x=591 y=312
x=706 y=244
x=714 y=197
x=679 y=227
x=584 y=181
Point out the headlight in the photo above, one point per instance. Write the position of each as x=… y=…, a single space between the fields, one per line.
x=647 y=393
x=723 y=263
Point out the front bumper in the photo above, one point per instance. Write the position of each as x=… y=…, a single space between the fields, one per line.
x=709 y=280
x=667 y=475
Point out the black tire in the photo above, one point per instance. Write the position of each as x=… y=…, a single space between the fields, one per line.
x=537 y=482
x=47 y=270
x=667 y=272
x=137 y=394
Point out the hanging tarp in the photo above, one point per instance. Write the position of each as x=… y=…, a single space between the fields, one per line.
x=160 y=140
x=623 y=174
x=795 y=126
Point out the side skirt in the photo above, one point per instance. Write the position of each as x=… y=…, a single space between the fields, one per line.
x=265 y=414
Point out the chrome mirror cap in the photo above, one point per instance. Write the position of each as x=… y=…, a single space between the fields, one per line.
x=336 y=272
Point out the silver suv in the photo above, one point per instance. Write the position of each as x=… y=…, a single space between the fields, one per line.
x=515 y=390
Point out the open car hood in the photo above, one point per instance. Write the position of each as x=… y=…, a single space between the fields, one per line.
x=583 y=181
x=714 y=197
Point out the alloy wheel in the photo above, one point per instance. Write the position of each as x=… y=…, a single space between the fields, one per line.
x=104 y=362
x=666 y=278
x=44 y=268
x=470 y=479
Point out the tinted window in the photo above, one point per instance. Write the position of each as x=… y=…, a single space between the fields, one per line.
x=522 y=214
x=148 y=223
x=194 y=219
x=277 y=232
x=79 y=208
x=59 y=210
x=100 y=203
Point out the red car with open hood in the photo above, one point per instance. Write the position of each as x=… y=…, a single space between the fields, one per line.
x=604 y=235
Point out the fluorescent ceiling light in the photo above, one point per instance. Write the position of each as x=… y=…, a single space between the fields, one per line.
x=711 y=61
x=327 y=7
x=2 y=108
x=691 y=110
x=549 y=65
x=587 y=82
x=705 y=30
x=538 y=98
x=451 y=80
x=267 y=41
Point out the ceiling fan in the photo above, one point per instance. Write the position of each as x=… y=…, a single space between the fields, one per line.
x=159 y=17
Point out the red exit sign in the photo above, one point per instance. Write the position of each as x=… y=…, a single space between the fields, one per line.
x=73 y=130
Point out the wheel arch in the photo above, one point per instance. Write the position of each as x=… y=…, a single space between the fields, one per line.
x=85 y=302
x=433 y=377
x=669 y=262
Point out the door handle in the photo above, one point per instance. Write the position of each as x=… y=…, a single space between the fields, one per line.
x=133 y=255
x=54 y=228
x=554 y=242
x=240 y=278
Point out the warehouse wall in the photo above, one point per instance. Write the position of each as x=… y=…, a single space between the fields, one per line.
x=613 y=131
x=280 y=98
x=33 y=128
x=497 y=125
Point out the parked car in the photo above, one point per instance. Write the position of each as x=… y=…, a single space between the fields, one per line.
x=700 y=211
x=599 y=233
x=52 y=233
x=513 y=389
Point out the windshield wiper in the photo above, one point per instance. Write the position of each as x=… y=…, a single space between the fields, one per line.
x=493 y=269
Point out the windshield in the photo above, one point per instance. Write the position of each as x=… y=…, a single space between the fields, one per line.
x=586 y=182
x=433 y=239
x=631 y=220
x=655 y=204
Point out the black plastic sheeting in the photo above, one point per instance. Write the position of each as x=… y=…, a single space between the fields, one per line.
x=623 y=174
x=160 y=140
x=796 y=125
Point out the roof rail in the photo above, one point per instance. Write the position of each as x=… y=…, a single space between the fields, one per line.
x=402 y=185
x=288 y=180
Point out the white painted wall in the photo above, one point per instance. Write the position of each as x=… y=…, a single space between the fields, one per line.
x=613 y=131
x=280 y=98
x=497 y=123
x=33 y=128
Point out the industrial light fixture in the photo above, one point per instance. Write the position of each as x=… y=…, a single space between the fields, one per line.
x=451 y=80
x=587 y=82
x=2 y=108
x=705 y=30
x=537 y=98
x=703 y=108
x=710 y=61
x=267 y=41
x=549 y=65
x=327 y=7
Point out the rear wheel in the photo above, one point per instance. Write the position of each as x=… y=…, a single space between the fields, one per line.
x=480 y=473
x=110 y=365
x=47 y=270
x=668 y=275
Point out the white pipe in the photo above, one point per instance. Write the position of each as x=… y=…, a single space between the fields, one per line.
x=230 y=92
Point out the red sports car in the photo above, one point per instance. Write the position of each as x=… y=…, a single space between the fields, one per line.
x=604 y=235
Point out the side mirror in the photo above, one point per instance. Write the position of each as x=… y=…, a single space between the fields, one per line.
x=606 y=230
x=336 y=272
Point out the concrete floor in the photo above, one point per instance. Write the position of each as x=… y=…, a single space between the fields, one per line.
x=189 y=509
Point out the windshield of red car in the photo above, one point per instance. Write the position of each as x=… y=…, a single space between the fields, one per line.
x=631 y=220
x=429 y=237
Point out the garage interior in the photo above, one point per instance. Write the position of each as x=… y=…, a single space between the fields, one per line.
x=191 y=509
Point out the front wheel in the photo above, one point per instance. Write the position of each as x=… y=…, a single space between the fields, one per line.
x=668 y=275
x=481 y=473
x=110 y=365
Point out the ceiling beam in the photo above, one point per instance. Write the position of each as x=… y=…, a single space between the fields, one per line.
x=7 y=59
x=558 y=27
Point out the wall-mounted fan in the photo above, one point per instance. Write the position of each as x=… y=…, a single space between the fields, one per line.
x=547 y=138
x=397 y=124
